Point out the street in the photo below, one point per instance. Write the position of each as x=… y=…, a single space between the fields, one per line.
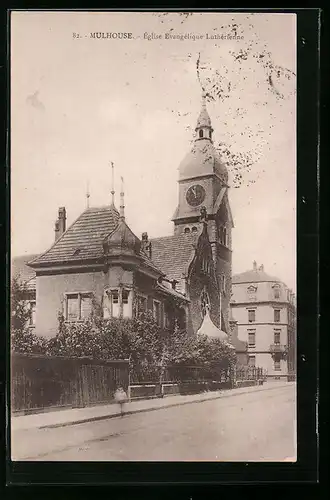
x=248 y=427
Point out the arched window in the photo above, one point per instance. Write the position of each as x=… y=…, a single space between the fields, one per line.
x=187 y=230
x=201 y=133
x=224 y=237
x=194 y=229
x=223 y=284
x=205 y=302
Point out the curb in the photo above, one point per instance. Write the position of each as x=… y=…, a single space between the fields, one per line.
x=154 y=408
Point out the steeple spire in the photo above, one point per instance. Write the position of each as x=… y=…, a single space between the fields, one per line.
x=122 y=205
x=112 y=184
x=204 y=127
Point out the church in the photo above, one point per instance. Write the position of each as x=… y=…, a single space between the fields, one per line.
x=183 y=278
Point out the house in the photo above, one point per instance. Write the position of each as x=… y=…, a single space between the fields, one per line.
x=265 y=311
x=184 y=277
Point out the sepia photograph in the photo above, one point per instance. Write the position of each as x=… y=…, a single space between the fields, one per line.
x=153 y=236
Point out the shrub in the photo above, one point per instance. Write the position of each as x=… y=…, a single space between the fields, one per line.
x=23 y=340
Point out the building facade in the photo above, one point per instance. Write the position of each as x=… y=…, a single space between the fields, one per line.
x=265 y=311
x=180 y=278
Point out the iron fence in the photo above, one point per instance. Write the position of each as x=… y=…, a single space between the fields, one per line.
x=244 y=373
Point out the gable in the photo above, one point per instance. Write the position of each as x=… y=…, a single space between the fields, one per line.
x=173 y=255
x=202 y=264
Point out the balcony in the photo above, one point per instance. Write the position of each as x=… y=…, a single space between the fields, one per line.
x=278 y=350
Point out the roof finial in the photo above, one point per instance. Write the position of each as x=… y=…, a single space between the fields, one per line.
x=203 y=216
x=122 y=205
x=204 y=99
x=112 y=184
x=87 y=195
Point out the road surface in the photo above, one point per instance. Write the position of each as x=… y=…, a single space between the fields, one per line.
x=256 y=426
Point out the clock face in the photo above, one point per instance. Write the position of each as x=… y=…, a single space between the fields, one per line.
x=195 y=195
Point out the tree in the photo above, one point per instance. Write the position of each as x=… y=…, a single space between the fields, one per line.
x=23 y=340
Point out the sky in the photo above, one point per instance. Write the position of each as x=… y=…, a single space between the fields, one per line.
x=78 y=103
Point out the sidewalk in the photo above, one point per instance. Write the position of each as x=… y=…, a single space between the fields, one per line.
x=61 y=418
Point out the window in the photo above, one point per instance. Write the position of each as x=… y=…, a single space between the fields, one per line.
x=222 y=235
x=276 y=289
x=166 y=319
x=205 y=302
x=252 y=292
x=252 y=361
x=125 y=294
x=142 y=304
x=187 y=230
x=277 y=365
x=72 y=308
x=277 y=336
x=117 y=303
x=85 y=306
x=156 y=311
x=32 y=308
x=115 y=306
x=78 y=306
x=194 y=229
x=201 y=133
x=251 y=315
x=251 y=338
x=223 y=284
x=277 y=315
x=125 y=303
x=224 y=239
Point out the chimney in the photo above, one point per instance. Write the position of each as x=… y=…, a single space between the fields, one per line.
x=61 y=221
x=261 y=268
x=254 y=265
x=146 y=244
x=57 y=230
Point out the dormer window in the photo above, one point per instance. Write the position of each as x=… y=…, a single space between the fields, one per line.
x=252 y=292
x=277 y=291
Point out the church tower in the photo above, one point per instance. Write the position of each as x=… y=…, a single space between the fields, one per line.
x=203 y=181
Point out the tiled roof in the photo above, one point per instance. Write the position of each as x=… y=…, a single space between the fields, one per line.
x=172 y=254
x=83 y=240
x=253 y=276
x=19 y=267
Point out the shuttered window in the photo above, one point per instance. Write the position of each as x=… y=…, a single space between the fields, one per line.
x=86 y=306
x=252 y=338
x=78 y=306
